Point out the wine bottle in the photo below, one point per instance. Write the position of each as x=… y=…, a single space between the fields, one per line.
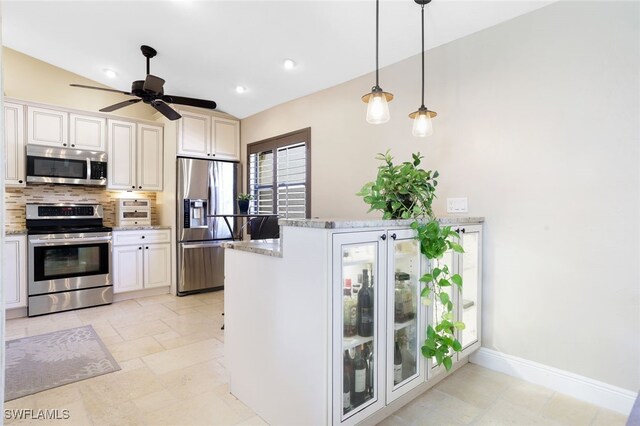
x=364 y=320
x=348 y=370
x=346 y=390
x=397 y=365
x=370 y=373
x=360 y=376
x=349 y=316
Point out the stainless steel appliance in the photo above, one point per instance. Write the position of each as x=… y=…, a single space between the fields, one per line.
x=70 y=166
x=69 y=258
x=204 y=188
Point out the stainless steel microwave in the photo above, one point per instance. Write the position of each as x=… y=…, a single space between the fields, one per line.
x=71 y=166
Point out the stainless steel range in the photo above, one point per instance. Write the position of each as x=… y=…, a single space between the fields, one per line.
x=69 y=257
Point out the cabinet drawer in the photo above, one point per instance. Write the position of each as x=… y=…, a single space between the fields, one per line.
x=144 y=236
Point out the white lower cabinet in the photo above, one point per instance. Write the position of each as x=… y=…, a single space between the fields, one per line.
x=15 y=271
x=141 y=259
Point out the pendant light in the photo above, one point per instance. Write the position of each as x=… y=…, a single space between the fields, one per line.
x=422 y=125
x=377 y=108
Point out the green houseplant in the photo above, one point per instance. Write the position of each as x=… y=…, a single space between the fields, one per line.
x=243 y=202
x=405 y=191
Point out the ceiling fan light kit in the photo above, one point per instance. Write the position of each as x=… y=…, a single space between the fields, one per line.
x=377 y=101
x=151 y=92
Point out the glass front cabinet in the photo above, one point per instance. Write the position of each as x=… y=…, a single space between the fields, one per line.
x=379 y=320
x=467 y=303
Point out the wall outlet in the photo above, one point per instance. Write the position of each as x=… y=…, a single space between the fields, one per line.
x=457 y=205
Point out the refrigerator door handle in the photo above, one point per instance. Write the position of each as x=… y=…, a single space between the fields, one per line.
x=203 y=245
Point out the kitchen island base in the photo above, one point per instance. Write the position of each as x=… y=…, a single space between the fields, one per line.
x=285 y=315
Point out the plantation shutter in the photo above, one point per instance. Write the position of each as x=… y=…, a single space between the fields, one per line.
x=292 y=181
x=278 y=175
x=261 y=182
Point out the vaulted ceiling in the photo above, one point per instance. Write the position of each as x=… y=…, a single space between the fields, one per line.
x=208 y=48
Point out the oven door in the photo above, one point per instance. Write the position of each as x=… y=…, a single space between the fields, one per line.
x=68 y=264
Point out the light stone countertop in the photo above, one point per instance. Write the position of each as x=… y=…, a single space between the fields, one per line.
x=273 y=247
x=269 y=247
x=22 y=231
x=369 y=223
x=140 y=228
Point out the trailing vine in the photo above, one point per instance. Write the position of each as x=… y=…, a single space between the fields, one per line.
x=406 y=191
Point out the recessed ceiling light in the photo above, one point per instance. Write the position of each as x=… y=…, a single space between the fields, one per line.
x=289 y=64
x=241 y=89
x=110 y=73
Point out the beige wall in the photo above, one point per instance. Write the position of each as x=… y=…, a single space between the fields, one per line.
x=538 y=127
x=30 y=79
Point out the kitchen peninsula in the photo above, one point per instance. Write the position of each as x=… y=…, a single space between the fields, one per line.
x=325 y=325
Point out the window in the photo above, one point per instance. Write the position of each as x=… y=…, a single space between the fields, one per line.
x=279 y=175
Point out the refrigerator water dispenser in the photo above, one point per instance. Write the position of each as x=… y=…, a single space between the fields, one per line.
x=195 y=213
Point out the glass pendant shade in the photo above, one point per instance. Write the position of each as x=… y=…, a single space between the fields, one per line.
x=377 y=108
x=422 y=123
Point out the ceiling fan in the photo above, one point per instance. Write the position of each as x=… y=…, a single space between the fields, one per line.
x=150 y=92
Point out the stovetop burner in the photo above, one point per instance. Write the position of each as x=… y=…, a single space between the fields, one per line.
x=65 y=219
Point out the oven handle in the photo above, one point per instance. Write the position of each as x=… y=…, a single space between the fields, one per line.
x=69 y=240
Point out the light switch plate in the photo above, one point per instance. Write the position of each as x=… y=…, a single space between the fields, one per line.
x=457 y=205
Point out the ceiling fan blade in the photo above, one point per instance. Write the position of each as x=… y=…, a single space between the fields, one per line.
x=200 y=103
x=100 y=88
x=153 y=84
x=165 y=110
x=120 y=105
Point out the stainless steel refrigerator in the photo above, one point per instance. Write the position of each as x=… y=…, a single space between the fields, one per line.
x=204 y=188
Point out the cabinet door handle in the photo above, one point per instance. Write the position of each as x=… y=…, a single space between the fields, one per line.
x=393 y=235
x=147 y=248
x=383 y=237
x=457 y=231
x=134 y=187
x=73 y=144
x=139 y=187
x=20 y=181
x=139 y=248
x=64 y=144
x=463 y=230
x=143 y=236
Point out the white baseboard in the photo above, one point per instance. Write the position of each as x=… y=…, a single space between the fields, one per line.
x=580 y=387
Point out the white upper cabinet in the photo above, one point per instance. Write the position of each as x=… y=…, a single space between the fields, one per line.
x=121 y=172
x=86 y=132
x=47 y=127
x=150 y=143
x=14 y=145
x=208 y=136
x=226 y=138
x=135 y=156
x=194 y=135
x=61 y=129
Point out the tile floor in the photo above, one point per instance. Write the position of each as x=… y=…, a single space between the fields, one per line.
x=171 y=353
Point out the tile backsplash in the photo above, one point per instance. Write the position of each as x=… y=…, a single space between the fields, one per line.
x=16 y=198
